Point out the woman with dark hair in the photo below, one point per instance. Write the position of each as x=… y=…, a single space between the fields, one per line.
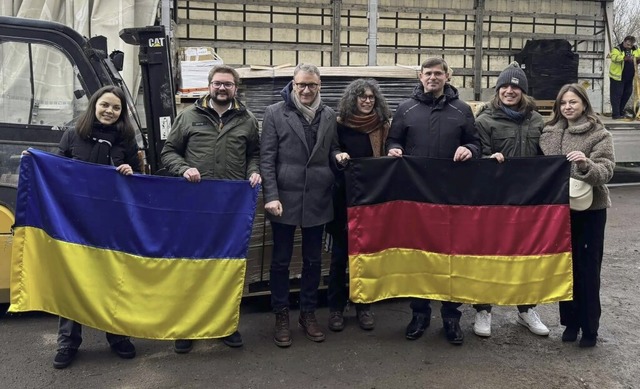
x=363 y=125
x=103 y=135
x=575 y=131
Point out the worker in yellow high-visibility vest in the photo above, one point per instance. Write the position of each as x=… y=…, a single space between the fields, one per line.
x=624 y=59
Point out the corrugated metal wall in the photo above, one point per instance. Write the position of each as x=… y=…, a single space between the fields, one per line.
x=334 y=33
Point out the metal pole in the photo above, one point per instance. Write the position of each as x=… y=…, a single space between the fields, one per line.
x=165 y=17
x=372 y=39
x=608 y=46
x=477 y=60
x=335 y=35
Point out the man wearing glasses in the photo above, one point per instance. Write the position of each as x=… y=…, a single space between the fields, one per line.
x=216 y=137
x=299 y=142
x=434 y=123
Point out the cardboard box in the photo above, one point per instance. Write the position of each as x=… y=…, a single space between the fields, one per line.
x=199 y=54
x=195 y=64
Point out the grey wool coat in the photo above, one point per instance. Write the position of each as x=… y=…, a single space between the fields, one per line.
x=597 y=145
x=301 y=179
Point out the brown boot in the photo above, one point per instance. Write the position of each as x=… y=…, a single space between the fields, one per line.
x=282 y=335
x=309 y=324
x=365 y=319
x=336 y=321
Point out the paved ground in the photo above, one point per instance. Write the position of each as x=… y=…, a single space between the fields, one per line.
x=382 y=358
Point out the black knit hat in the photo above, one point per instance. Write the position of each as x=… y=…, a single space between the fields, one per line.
x=513 y=75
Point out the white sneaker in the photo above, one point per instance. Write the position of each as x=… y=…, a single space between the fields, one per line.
x=531 y=320
x=482 y=326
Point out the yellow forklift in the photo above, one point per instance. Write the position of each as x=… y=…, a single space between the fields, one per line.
x=47 y=74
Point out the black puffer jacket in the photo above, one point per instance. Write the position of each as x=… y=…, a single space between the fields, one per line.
x=428 y=127
x=121 y=151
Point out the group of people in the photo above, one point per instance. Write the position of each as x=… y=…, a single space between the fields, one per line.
x=299 y=158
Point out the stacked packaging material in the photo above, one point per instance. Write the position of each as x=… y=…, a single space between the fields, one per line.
x=258 y=93
x=548 y=64
x=195 y=64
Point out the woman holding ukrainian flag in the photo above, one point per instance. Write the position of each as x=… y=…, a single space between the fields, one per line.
x=102 y=135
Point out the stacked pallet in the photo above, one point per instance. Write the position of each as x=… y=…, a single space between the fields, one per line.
x=261 y=86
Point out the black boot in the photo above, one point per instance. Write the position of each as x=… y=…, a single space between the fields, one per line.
x=570 y=334
x=64 y=357
x=588 y=340
x=417 y=326
x=336 y=321
x=452 y=331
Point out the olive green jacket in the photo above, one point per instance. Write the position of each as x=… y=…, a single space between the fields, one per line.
x=500 y=134
x=226 y=148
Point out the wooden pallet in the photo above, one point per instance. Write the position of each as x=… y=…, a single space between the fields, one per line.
x=545 y=107
x=188 y=97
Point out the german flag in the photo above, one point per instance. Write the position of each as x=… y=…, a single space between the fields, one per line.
x=144 y=256
x=473 y=232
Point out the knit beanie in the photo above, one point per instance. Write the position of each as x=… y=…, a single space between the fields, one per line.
x=513 y=75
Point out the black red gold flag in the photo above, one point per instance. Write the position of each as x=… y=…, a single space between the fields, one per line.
x=474 y=232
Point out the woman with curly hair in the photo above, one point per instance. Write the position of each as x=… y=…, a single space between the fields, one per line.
x=363 y=125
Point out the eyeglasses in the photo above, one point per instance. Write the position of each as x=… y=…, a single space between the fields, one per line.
x=364 y=98
x=302 y=86
x=218 y=84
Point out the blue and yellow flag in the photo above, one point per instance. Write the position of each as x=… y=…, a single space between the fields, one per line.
x=144 y=256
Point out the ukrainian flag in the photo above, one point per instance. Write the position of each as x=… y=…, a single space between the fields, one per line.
x=472 y=232
x=144 y=256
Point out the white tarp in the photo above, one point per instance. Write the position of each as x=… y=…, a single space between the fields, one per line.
x=91 y=18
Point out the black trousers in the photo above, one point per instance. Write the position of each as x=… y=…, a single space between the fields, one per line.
x=338 y=292
x=620 y=92
x=487 y=307
x=449 y=310
x=587 y=242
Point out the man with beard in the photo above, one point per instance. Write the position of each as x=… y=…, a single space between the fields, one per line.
x=217 y=137
x=434 y=123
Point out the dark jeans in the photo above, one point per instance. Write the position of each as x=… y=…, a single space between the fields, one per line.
x=449 y=310
x=587 y=242
x=311 y=266
x=487 y=307
x=620 y=92
x=338 y=292
x=70 y=335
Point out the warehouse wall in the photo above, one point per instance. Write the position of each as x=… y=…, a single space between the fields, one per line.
x=270 y=33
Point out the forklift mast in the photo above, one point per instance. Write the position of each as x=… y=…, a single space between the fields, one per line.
x=157 y=84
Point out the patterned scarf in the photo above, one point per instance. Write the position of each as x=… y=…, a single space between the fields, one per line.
x=372 y=125
x=308 y=111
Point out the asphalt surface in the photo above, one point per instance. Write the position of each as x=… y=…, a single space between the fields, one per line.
x=511 y=358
